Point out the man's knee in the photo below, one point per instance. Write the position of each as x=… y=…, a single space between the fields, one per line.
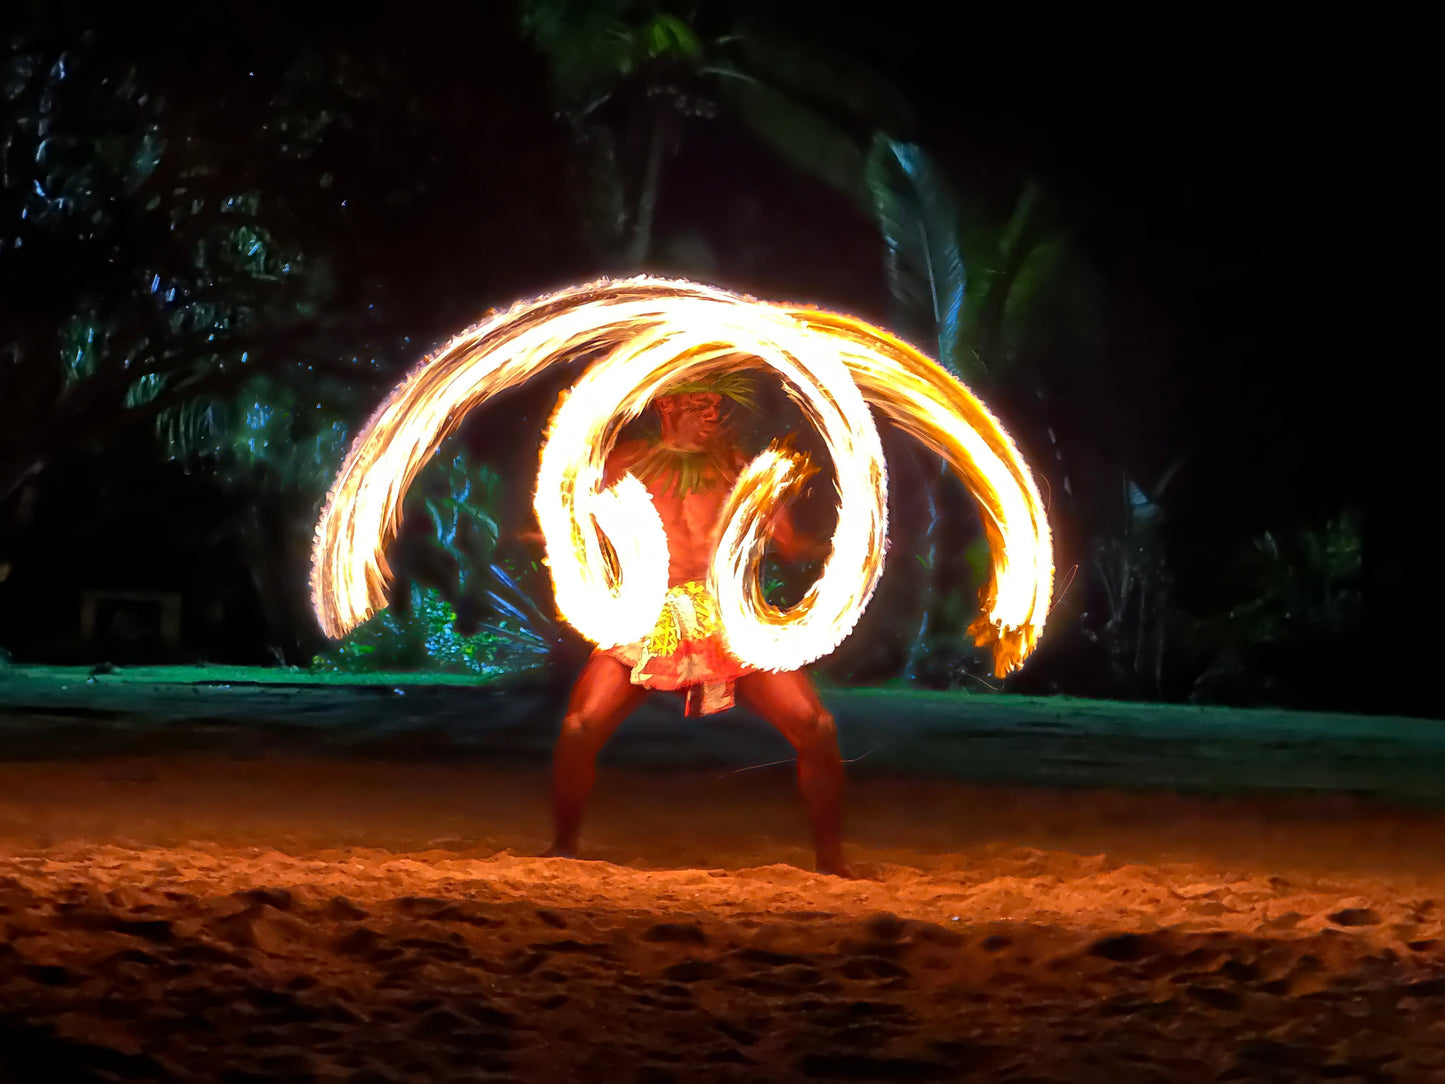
x=579 y=729
x=816 y=730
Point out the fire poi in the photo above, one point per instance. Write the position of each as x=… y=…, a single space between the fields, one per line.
x=655 y=547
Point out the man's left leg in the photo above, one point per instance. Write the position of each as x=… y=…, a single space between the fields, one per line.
x=790 y=703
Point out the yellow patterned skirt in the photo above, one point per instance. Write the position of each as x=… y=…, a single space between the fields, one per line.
x=686 y=651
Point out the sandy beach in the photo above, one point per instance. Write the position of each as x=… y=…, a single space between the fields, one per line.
x=207 y=918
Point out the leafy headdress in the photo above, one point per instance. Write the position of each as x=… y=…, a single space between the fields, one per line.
x=692 y=470
x=734 y=384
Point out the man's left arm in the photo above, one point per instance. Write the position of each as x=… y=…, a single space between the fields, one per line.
x=794 y=544
x=789 y=541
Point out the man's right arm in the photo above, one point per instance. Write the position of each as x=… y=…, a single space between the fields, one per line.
x=621 y=460
x=623 y=456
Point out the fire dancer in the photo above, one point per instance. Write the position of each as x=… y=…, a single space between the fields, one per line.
x=689 y=469
x=636 y=328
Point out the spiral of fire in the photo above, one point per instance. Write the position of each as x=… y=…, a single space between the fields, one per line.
x=645 y=334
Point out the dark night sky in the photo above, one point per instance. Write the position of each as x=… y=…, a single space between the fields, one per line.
x=1218 y=163
x=1213 y=166
x=1217 y=174
x=1217 y=171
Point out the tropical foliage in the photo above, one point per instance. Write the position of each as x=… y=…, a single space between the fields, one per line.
x=144 y=255
x=230 y=270
x=966 y=293
x=630 y=79
x=457 y=546
x=464 y=596
x=1284 y=634
x=240 y=275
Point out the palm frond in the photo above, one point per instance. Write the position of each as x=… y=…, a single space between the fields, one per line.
x=834 y=82
x=537 y=617
x=804 y=136
x=918 y=217
x=1022 y=264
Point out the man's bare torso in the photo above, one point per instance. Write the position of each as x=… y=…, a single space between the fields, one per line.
x=689 y=516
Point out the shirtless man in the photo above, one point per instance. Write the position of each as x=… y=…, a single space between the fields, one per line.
x=690 y=472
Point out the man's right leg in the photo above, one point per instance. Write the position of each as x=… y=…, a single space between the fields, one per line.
x=603 y=696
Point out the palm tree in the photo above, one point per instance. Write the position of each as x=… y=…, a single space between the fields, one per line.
x=145 y=262
x=972 y=322
x=461 y=598
x=244 y=264
x=626 y=77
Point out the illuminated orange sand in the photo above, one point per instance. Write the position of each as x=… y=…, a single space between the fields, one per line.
x=174 y=919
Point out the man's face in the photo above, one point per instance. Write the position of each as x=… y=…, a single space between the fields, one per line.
x=690 y=420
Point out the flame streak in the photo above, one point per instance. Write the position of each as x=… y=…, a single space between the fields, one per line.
x=671 y=343
x=648 y=333
x=929 y=403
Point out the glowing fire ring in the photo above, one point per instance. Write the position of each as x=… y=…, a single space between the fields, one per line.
x=648 y=332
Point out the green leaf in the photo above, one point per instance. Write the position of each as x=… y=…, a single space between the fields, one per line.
x=666 y=34
x=918 y=215
x=802 y=135
x=834 y=83
x=1024 y=263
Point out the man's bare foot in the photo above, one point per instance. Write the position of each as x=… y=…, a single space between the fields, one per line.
x=837 y=867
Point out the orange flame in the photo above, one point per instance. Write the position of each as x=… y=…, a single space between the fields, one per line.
x=650 y=332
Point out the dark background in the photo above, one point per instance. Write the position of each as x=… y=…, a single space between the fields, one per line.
x=1214 y=176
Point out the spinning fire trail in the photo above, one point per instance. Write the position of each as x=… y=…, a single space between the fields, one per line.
x=647 y=333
